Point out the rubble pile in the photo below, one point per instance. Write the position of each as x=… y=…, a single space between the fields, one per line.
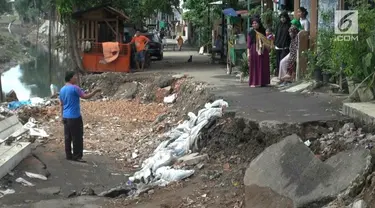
x=180 y=141
x=347 y=137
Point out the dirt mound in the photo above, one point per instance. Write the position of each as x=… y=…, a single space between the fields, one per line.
x=151 y=87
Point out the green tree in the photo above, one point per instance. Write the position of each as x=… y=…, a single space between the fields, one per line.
x=5 y=7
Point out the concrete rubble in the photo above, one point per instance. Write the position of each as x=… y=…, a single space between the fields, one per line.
x=294 y=177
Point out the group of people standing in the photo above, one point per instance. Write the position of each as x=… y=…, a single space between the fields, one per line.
x=285 y=44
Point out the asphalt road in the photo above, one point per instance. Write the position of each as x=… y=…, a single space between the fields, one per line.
x=254 y=103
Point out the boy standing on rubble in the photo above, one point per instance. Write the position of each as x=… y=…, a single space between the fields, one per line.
x=69 y=98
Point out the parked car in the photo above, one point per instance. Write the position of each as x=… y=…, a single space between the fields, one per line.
x=155 y=46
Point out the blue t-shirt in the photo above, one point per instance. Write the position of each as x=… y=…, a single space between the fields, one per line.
x=70 y=97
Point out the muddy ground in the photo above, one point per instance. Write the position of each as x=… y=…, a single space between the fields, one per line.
x=124 y=124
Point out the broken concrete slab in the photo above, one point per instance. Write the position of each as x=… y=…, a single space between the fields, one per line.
x=11 y=156
x=193 y=159
x=361 y=111
x=49 y=191
x=300 y=87
x=290 y=171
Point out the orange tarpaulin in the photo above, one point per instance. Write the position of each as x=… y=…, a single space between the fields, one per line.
x=111 y=51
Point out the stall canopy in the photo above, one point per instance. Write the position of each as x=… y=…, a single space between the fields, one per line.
x=230 y=12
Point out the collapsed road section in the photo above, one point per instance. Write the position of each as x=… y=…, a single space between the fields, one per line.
x=163 y=141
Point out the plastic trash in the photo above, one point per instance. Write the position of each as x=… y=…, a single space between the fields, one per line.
x=170 y=175
x=24 y=182
x=6 y=192
x=37 y=101
x=54 y=89
x=35 y=175
x=170 y=99
x=17 y=104
x=156 y=170
x=308 y=143
x=38 y=132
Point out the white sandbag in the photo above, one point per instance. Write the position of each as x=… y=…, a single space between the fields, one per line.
x=174 y=134
x=155 y=170
x=161 y=146
x=217 y=104
x=195 y=133
x=170 y=99
x=162 y=158
x=184 y=127
x=169 y=174
x=192 y=119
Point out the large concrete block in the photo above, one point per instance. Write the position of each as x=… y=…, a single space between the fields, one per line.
x=362 y=111
x=11 y=156
x=290 y=173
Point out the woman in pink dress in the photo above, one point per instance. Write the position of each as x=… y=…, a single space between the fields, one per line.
x=259 y=60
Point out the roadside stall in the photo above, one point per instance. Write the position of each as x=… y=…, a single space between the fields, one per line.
x=100 y=38
x=236 y=36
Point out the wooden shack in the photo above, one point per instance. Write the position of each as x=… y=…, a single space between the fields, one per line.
x=96 y=26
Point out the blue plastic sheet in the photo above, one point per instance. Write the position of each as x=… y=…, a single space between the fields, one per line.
x=230 y=12
x=17 y=104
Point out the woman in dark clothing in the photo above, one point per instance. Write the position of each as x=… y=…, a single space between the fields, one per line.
x=259 y=66
x=282 y=39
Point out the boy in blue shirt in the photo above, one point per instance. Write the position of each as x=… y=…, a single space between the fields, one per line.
x=70 y=96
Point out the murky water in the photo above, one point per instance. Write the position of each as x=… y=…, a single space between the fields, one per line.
x=32 y=79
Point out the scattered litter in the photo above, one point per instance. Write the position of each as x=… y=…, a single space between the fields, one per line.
x=38 y=132
x=170 y=99
x=308 y=143
x=155 y=170
x=168 y=174
x=35 y=175
x=6 y=192
x=24 y=182
x=134 y=155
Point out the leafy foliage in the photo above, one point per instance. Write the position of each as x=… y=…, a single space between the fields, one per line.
x=350 y=55
x=30 y=10
x=325 y=41
x=5 y=7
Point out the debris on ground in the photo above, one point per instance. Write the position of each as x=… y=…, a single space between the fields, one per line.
x=347 y=137
x=180 y=141
x=35 y=175
x=6 y=192
x=303 y=180
x=24 y=182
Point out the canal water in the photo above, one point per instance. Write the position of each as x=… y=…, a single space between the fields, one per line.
x=32 y=79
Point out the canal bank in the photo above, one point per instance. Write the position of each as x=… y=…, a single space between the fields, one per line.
x=33 y=78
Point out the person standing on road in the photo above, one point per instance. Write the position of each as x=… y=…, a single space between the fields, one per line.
x=180 y=42
x=282 y=39
x=258 y=55
x=140 y=45
x=69 y=98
